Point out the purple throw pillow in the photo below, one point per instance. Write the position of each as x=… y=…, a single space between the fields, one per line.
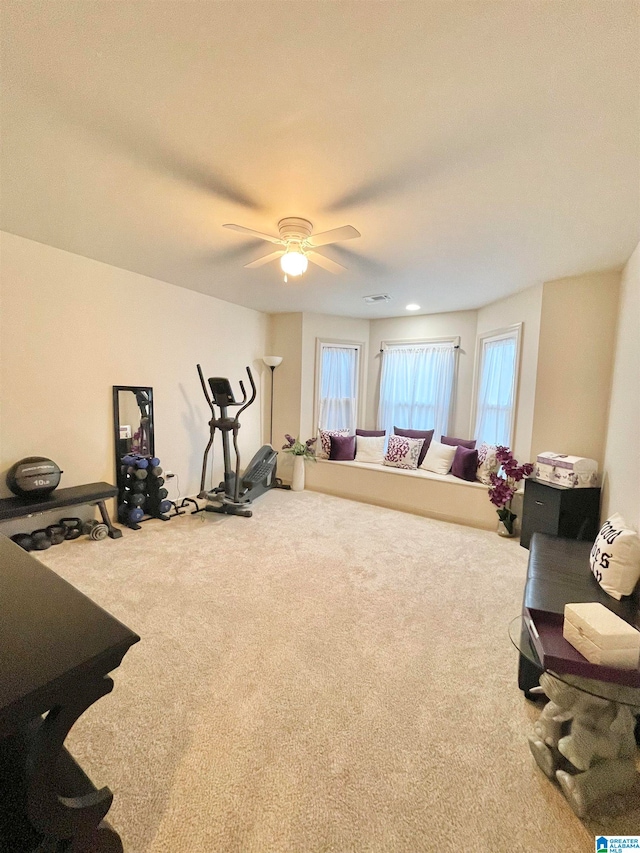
x=465 y=463
x=470 y=444
x=343 y=448
x=426 y=434
x=371 y=433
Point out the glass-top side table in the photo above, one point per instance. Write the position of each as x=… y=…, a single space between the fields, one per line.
x=584 y=737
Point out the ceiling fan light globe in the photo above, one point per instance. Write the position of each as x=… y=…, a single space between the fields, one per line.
x=294 y=263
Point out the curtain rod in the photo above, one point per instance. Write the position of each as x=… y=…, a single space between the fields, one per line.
x=455 y=346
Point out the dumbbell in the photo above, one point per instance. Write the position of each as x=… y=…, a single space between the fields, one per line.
x=40 y=539
x=154 y=462
x=162 y=494
x=95 y=530
x=156 y=471
x=165 y=507
x=72 y=527
x=24 y=540
x=128 y=459
x=56 y=533
x=138 y=486
x=140 y=473
x=160 y=482
x=142 y=463
x=129 y=515
x=136 y=499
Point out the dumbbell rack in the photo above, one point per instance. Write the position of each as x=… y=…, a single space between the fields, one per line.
x=141 y=476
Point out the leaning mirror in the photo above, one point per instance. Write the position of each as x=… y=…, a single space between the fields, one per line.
x=132 y=422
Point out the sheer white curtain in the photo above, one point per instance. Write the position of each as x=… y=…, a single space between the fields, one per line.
x=494 y=413
x=338 y=388
x=416 y=386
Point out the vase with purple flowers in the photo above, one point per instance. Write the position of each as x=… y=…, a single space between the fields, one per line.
x=300 y=452
x=503 y=487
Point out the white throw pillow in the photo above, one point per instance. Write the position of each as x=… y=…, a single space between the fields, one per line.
x=439 y=457
x=487 y=462
x=370 y=448
x=615 y=557
x=324 y=445
x=403 y=452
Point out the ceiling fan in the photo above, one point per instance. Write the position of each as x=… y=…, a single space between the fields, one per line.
x=298 y=245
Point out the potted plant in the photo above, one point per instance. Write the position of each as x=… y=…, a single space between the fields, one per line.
x=503 y=487
x=300 y=452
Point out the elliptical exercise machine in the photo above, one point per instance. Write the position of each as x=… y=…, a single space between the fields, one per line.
x=234 y=495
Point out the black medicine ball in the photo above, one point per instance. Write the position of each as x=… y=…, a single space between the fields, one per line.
x=33 y=477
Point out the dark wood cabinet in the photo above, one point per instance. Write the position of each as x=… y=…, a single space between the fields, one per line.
x=571 y=513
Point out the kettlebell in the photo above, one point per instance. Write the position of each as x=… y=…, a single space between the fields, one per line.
x=56 y=533
x=41 y=540
x=24 y=540
x=72 y=527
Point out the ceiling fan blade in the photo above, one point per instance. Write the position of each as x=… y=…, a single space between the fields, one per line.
x=253 y=233
x=264 y=259
x=347 y=232
x=325 y=263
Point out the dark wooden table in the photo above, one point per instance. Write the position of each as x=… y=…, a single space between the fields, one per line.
x=56 y=650
x=91 y=493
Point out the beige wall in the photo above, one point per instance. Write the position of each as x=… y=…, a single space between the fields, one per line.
x=285 y=339
x=524 y=307
x=621 y=491
x=575 y=362
x=462 y=323
x=72 y=327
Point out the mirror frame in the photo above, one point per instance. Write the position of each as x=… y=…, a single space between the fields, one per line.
x=116 y=424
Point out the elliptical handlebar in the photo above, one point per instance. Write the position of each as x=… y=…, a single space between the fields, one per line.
x=253 y=392
x=204 y=389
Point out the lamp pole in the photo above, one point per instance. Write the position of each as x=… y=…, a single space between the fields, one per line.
x=271 y=361
x=273 y=367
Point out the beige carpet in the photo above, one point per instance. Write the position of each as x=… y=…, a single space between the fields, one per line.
x=326 y=676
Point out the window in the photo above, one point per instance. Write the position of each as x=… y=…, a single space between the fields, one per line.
x=416 y=385
x=497 y=360
x=338 y=375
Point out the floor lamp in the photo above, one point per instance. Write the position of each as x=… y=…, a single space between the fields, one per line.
x=271 y=361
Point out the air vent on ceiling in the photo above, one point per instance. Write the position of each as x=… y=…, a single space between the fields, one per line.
x=380 y=297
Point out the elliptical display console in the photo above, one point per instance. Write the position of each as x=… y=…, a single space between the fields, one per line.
x=234 y=495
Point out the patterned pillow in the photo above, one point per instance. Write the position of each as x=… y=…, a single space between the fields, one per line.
x=403 y=452
x=324 y=445
x=615 y=557
x=487 y=463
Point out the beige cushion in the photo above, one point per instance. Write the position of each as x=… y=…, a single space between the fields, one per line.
x=439 y=458
x=370 y=448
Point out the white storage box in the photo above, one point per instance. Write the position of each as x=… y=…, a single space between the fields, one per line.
x=576 y=472
x=601 y=636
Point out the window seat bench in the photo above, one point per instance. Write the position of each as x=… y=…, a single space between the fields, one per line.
x=441 y=496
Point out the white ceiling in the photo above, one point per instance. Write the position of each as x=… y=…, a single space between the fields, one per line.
x=479 y=147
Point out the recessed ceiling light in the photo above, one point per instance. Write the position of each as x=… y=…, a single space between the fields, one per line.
x=413 y=307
